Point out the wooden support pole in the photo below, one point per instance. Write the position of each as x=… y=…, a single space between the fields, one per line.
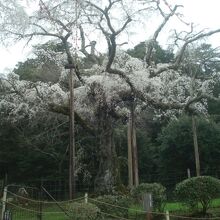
x=71 y=133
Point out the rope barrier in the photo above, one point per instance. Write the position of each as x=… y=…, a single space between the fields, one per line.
x=43 y=212
x=101 y=202
x=41 y=201
x=158 y=213
x=155 y=213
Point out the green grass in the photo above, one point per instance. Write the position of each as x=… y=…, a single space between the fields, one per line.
x=26 y=215
x=173 y=207
x=135 y=210
x=178 y=206
x=216 y=203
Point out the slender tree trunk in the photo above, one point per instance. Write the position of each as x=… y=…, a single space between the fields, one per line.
x=132 y=152
x=72 y=138
x=196 y=148
x=135 y=156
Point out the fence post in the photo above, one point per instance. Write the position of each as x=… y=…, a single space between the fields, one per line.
x=147 y=205
x=4 y=200
x=167 y=215
x=188 y=173
x=39 y=215
x=7 y=215
x=86 y=198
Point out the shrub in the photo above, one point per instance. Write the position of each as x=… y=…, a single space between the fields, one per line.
x=108 y=204
x=197 y=190
x=158 y=194
x=83 y=211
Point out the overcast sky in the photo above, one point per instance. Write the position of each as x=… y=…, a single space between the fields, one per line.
x=205 y=13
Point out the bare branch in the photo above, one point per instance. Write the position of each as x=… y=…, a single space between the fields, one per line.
x=179 y=57
x=191 y=40
x=199 y=98
x=124 y=26
x=83 y=46
x=57 y=21
x=150 y=46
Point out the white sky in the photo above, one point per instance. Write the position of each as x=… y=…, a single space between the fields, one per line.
x=205 y=13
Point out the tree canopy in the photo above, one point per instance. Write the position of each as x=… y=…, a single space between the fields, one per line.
x=111 y=88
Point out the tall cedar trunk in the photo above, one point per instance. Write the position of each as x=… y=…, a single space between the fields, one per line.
x=130 y=160
x=106 y=176
x=196 y=148
x=132 y=152
x=135 y=157
x=72 y=138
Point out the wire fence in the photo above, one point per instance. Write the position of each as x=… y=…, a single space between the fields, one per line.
x=29 y=206
x=30 y=203
x=58 y=187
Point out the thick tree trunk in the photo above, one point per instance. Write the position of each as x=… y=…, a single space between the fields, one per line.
x=107 y=175
x=196 y=148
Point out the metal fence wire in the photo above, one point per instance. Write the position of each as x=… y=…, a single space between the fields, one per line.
x=29 y=203
x=18 y=204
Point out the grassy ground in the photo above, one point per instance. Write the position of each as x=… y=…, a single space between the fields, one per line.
x=177 y=206
x=54 y=213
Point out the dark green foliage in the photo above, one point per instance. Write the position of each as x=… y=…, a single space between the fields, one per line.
x=147 y=156
x=38 y=70
x=176 y=148
x=50 y=46
x=83 y=211
x=160 y=55
x=34 y=149
x=213 y=105
x=203 y=58
x=43 y=67
x=177 y=153
x=116 y=205
x=197 y=190
x=158 y=193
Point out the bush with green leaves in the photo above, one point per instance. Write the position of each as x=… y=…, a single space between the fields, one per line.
x=83 y=211
x=158 y=194
x=116 y=205
x=198 y=190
